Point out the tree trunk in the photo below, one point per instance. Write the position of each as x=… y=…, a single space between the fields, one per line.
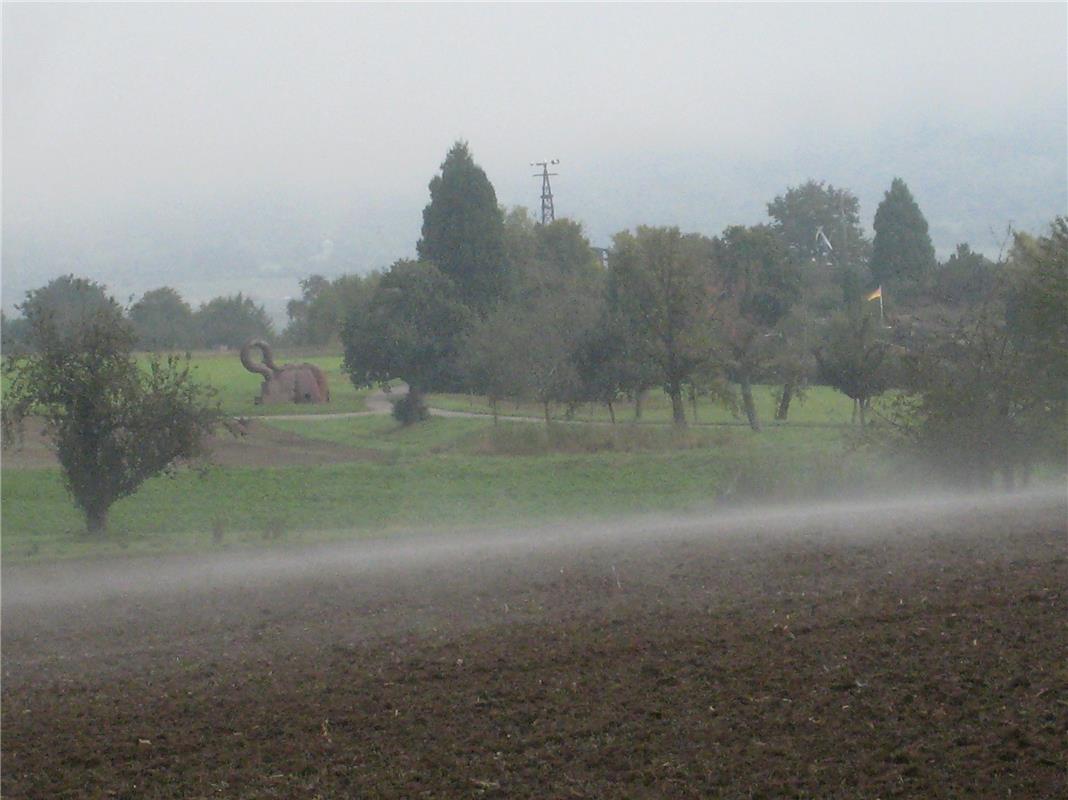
x=750 y=406
x=860 y=405
x=638 y=404
x=784 y=402
x=493 y=408
x=548 y=419
x=678 y=408
x=415 y=400
x=853 y=421
x=96 y=521
x=693 y=403
x=612 y=412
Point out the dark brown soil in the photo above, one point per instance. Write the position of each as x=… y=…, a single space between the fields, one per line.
x=928 y=661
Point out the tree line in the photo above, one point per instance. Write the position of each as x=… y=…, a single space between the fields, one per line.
x=496 y=304
x=160 y=320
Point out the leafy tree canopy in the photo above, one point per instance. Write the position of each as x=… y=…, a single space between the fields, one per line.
x=114 y=425
x=66 y=303
x=802 y=211
x=660 y=283
x=231 y=321
x=528 y=350
x=408 y=331
x=1037 y=310
x=966 y=278
x=757 y=273
x=318 y=316
x=760 y=283
x=163 y=320
x=852 y=357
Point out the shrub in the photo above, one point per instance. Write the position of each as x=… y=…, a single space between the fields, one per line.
x=410 y=409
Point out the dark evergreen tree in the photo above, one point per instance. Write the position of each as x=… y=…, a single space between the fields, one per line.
x=902 y=252
x=463 y=231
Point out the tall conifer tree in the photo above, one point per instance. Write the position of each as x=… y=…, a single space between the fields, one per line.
x=902 y=249
x=463 y=231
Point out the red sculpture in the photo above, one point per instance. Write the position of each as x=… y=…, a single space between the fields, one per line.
x=290 y=383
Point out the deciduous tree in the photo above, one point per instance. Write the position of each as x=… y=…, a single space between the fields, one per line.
x=990 y=395
x=852 y=358
x=660 y=284
x=410 y=330
x=814 y=206
x=65 y=304
x=231 y=321
x=114 y=424
x=759 y=285
x=163 y=321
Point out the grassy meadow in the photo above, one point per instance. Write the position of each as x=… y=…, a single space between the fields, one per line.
x=237 y=387
x=446 y=472
x=438 y=475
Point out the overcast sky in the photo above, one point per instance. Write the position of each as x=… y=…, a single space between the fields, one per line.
x=240 y=146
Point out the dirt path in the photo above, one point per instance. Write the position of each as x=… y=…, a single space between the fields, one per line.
x=381 y=402
x=905 y=651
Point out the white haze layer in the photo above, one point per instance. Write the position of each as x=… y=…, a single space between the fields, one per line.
x=66 y=584
x=218 y=147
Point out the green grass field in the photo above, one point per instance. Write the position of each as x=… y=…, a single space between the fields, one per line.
x=444 y=473
x=237 y=387
x=821 y=405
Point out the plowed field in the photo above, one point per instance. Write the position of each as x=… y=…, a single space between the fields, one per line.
x=906 y=650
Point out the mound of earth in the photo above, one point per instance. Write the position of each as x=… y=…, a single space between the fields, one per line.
x=881 y=655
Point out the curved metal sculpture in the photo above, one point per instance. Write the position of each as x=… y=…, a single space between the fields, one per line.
x=289 y=383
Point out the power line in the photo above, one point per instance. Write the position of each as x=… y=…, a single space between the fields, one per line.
x=547 y=212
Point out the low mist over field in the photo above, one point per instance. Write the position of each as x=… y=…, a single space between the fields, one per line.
x=515 y=551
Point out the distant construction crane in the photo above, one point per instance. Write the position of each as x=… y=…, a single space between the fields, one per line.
x=547 y=213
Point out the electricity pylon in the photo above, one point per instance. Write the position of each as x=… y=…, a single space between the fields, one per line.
x=547 y=213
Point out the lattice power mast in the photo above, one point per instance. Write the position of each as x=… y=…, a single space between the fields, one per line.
x=547 y=212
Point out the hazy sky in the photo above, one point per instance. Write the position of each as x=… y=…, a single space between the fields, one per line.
x=241 y=146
